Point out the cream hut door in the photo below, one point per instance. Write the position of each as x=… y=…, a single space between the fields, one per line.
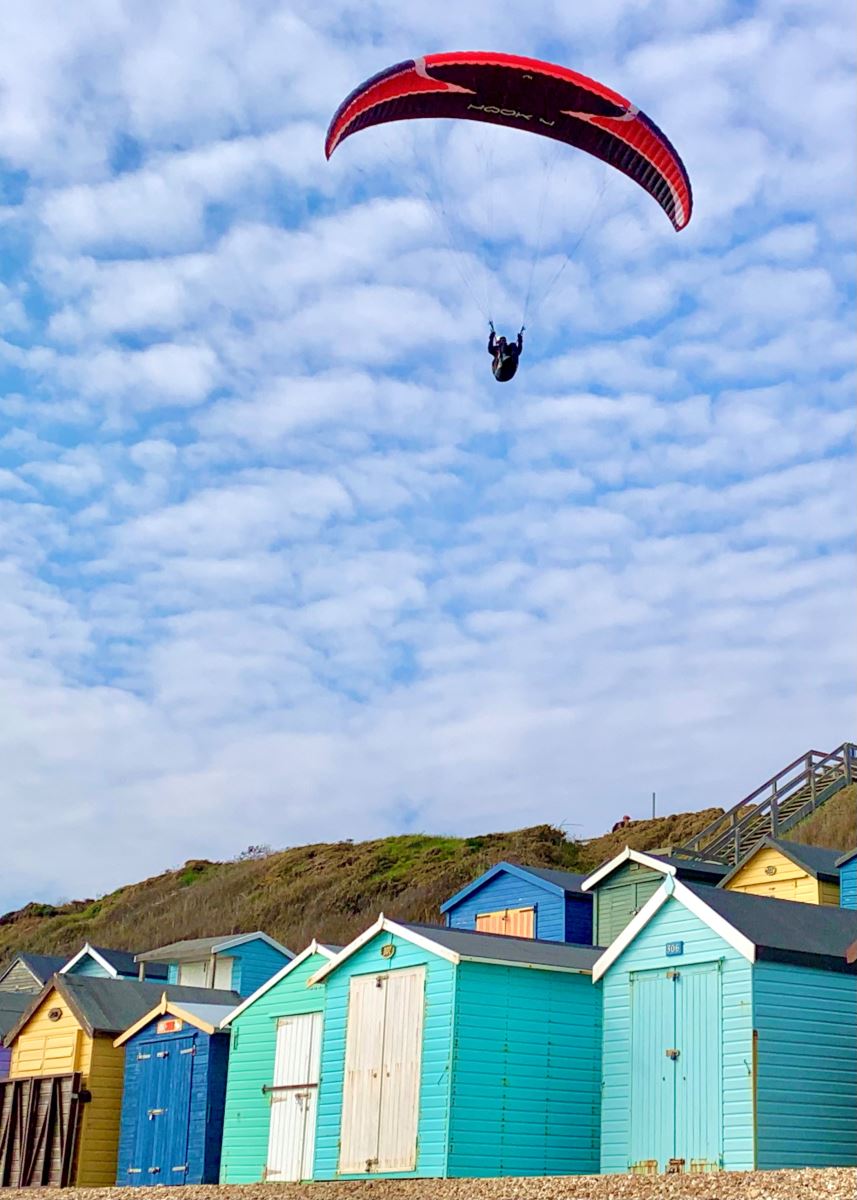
x=294 y=1096
x=381 y=1091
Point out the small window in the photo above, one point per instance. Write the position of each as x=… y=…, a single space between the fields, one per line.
x=194 y=974
x=513 y=922
x=223 y=972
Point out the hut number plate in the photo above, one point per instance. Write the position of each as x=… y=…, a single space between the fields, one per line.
x=674 y=949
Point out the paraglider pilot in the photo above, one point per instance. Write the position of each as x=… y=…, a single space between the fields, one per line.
x=505 y=354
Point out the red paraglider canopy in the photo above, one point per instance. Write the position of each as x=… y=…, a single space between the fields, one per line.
x=524 y=93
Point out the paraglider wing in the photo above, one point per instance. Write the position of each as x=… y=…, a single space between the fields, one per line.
x=524 y=93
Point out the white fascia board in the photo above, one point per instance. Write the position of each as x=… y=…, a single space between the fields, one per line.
x=623 y=941
x=241 y=939
x=100 y=959
x=383 y=925
x=627 y=855
x=313 y=948
x=717 y=924
x=693 y=903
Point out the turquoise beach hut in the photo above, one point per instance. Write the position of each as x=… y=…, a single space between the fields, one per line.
x=272 y=1088
x=730 y=1035
x=454 y=1053
x=847 y=866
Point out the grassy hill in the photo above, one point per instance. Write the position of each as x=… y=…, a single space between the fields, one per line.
x=334 y=890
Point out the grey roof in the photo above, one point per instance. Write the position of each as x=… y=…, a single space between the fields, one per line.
x=12 y=1005
x=125 y=963
x=786 y=930
x=497 y=947
x=211 y=1014
x=846 y=857
x=193 y=948
x=567 y=880
x=41 y=966
x=815 y=860
x=112 y=1005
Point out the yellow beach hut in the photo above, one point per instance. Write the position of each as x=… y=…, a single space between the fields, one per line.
x=61 y=1103
x=787 y=871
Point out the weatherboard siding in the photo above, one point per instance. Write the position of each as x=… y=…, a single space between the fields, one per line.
x=5 y=1061
x=247 y=1116
x=98 y=1140
x=45 y=1047
x=807 y=1066
x=674 y=923
x=848 y=884
x=254 y=964
x=436 y=1052
x=526 y=1072
x=620 y=897
x=558 y=917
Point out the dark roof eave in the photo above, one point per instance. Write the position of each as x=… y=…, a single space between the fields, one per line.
x=806 y=958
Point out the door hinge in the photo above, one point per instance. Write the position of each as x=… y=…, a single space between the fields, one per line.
x=675 y=1166
x=189 y=1050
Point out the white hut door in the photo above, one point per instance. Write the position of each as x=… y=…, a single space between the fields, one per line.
x=383 y=1050
x=400 y=1087
x=294 y=1096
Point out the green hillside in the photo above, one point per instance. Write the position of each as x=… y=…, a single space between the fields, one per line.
x=333 y=890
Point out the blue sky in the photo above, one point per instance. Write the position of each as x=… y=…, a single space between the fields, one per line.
x=281 y=562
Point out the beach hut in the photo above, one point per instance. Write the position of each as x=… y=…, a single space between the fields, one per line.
x=172 y=1099
x=787 y=871
x=622 y=885
x=272 y=1090
x=535 y=902
x=29 y=972
x=847 y=867
x=448 y=1052
x=730 y=1035
x=64 y=1092
x=12 y=1007
x=238 y=962
x=100 y=962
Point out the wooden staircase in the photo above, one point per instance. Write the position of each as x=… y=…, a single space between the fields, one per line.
x=776 y=806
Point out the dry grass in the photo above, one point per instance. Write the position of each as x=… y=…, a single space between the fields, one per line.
x=834 y=825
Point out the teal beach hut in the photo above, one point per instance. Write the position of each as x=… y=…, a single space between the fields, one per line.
x=272 y=1088
x=730 y=1035
x=454 y=1053
x=847 y=866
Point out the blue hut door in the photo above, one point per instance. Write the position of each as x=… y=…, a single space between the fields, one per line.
x=676 y=1090
x=294 y=1097
x=165 y=1070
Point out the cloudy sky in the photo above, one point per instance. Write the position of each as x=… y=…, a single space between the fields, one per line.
x=280 y=562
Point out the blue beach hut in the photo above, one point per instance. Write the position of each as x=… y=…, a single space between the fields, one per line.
x=536 y=902
x=448 y=1052
x=847 y=866
x=171 y=1126
x=730 y=1035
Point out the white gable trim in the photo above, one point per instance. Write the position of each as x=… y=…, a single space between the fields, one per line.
x=313 y=948
x=99 y=958
x=627 y=855
x=241 y=939
x=384 y=925
x=693 y=903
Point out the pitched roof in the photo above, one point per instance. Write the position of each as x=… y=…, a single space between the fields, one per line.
x=115 y=962
x=111 y=1005
x=464 y=945
x=12 y=1006
x=691 y=869
x=759 y=927
x=497 y=947
x=40 y=966
x=846 y=857
x=193 y=949
x=817 y=861
x=206 y=1017
x=565 y=882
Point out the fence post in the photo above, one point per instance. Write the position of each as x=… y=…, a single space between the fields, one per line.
x=775 y=814
x=848 y=751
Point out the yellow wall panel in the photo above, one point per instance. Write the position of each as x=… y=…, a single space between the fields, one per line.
x=46 y=1047
x=99 y=1134
x=829 y=894
x=770 y=873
